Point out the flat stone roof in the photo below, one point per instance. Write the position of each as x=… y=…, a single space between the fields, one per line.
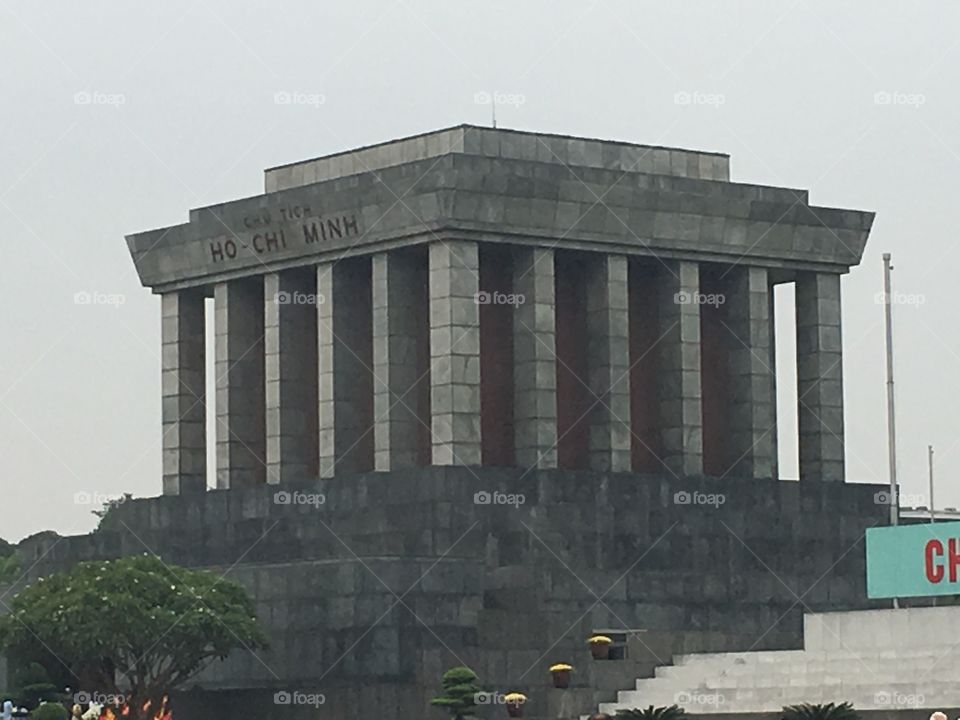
x=503 y=143
x=502 y=186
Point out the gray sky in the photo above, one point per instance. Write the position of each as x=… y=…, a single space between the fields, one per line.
x=117 y=117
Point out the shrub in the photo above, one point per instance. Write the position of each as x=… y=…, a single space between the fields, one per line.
x=49 y=711
x=673 y=712
x=459 y=692
x=830 y=711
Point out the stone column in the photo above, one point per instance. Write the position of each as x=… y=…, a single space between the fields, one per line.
x=681 y=408
x=534 y=359
x=771 y=298
x=608 y=362
x=290 y=337
x=752 y=407
x=819 y=377
x=184 y=392
x=396 y=319
x=455 y=352
x=345 y=354
x=241 y=436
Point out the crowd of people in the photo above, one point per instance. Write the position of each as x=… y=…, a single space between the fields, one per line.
x=74 y=711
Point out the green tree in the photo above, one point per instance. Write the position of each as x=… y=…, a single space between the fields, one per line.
x=672 y=712
x=133 y=627
x=9 y=564
x=830 y=711
x=33 y=685
x=459 y=690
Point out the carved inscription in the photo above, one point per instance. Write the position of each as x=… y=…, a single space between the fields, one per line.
x=271 y=231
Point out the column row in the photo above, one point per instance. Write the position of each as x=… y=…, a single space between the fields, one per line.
x=460 y=354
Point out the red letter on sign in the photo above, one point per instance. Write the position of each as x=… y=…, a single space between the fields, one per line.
x=934 y=571
x=954 y=558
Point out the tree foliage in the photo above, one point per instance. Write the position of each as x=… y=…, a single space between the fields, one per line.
x=107 y=513
x=671 y=712
x=459 y=690
x=9 y=564
x=830 y=711
x=33 y=685
x=134 y=627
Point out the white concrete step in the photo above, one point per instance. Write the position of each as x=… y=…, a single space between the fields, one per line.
x=878 y=660
x=864 y=696
x=764 y=657
x=691 y=673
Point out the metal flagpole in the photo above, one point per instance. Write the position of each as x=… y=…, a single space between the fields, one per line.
x=891 y=422
x=933 y=517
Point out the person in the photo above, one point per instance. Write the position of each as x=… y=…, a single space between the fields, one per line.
x=938 y=716
x=7 y=710
x=76 y=712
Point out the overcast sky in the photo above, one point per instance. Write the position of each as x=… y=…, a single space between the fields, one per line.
x=117 y=117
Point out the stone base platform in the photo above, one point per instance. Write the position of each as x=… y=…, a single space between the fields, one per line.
x=370 y=586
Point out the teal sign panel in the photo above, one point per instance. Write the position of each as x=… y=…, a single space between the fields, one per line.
x=913 y=560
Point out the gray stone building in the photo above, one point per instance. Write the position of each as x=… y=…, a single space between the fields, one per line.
x=480 y=393
x=485 y=297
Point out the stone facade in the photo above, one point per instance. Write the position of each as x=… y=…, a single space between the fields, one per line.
x=535 y=358
x=184 y=393
x=240 y=383
x=680 y=370
x=532 y=397
x=498 y=214
x=455 y=353
x=820 y=377
x=398 y=368
x=369 y=596
x=290 y=337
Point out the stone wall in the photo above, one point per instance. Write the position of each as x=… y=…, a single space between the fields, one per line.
x=370 y=595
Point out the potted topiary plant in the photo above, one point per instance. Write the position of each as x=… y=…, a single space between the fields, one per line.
x=599 y=646
x=459 y=694
x=515 y=702
x=561 y=675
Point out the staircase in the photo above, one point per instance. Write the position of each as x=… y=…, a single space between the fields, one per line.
x=877 y=659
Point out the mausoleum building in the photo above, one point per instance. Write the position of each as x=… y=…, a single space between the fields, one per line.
x=488 y=297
